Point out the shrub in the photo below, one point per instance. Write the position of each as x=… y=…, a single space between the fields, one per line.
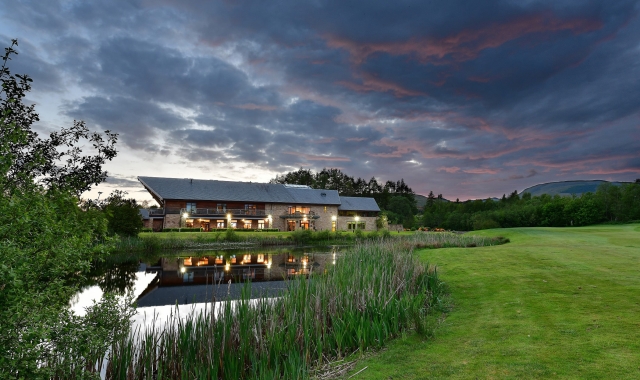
x=231 y=235
x=359 y=234
x=302 y=236
x=147 y=229
x=323 y=235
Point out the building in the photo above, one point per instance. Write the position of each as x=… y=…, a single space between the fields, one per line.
x=211 y=204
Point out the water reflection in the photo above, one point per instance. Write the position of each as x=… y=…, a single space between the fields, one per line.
x=200 y=276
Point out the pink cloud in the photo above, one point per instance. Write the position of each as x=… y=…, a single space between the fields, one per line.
x=466 y=44
x=373 y=84
x=452 y=169
x=481 y=171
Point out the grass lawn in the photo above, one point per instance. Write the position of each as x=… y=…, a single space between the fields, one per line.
x=554 y=303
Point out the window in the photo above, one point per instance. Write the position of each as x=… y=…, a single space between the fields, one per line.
x=355 y=225
x=220 y=224
x=333 y=225
x=234 y=223
x=298 y=210
x=221 y=208
x=260 y=224
x=261 y=258
x=247 y=225
x=325 y=209
x=219 y=259
x=250 y=209
x=191 y=207
x=188 y=223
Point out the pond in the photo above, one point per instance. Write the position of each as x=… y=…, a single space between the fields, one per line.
x=197 y=277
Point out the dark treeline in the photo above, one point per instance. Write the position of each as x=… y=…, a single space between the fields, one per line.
x=610 y=203
x=335 y=179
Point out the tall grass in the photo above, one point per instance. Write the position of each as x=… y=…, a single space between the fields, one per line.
x=450 y=240
x=371 y=295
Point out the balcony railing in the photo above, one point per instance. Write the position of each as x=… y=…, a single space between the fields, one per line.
x=156 y=211
x=215 y=211
x=299 y=215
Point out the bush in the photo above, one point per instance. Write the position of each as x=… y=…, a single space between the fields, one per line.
x=385 y=234
x=302 y=236
x=359 y=234
x=323 y=235
x=231 y=235
x=147 y=229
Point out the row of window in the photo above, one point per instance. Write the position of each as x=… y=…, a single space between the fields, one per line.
x=220 y=207
x=232 y=224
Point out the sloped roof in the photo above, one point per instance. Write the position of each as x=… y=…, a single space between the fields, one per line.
x=144 y=213
x=212 y=190
x=358 y=204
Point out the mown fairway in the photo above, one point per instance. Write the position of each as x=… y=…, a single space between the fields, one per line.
x=554 y=303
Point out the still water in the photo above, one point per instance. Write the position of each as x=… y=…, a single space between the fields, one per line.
x=200 y=276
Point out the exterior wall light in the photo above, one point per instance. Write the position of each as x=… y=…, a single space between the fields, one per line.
x=185 y=215
x=357 y=218
x=334 y=218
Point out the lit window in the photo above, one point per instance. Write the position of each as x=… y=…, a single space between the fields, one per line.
x=260 y=224
x=261 y=258
x=191 y=207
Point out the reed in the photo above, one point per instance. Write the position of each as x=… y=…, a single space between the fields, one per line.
x=372 y=294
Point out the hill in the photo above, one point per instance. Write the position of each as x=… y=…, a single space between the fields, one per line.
x=566 y=188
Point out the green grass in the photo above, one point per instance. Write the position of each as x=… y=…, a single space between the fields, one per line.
x=554 y=303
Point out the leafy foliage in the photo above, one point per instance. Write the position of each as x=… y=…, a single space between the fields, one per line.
x=47 y=243
x=335 y=179
x=55 y=162
x=123 y=214
x=610 y=203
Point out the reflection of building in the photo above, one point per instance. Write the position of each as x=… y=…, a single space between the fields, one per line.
x=212 y=204
x=235 y=268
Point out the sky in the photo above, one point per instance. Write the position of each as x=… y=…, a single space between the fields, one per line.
x=467 y=99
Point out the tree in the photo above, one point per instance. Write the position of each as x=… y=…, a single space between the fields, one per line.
x=123 y=214
x=47 y=242
x=58 y=161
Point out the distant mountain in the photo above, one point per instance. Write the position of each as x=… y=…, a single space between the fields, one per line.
x=566 y=188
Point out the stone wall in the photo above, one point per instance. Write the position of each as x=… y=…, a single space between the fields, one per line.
x=172 y=221
x=321 y=223
x=369 y=222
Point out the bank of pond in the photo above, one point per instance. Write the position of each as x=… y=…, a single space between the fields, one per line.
x=280 y=312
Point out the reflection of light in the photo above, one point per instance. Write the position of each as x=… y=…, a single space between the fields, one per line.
x=183 y=269
x=269 y=265
x=227 y=267
x=334 y=262
x=334 y=218
x=228 y=216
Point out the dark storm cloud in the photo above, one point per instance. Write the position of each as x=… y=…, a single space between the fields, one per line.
x=454 y=96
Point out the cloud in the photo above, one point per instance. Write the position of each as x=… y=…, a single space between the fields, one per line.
x=480 y=94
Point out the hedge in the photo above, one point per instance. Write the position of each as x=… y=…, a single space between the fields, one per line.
x=197 y=229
